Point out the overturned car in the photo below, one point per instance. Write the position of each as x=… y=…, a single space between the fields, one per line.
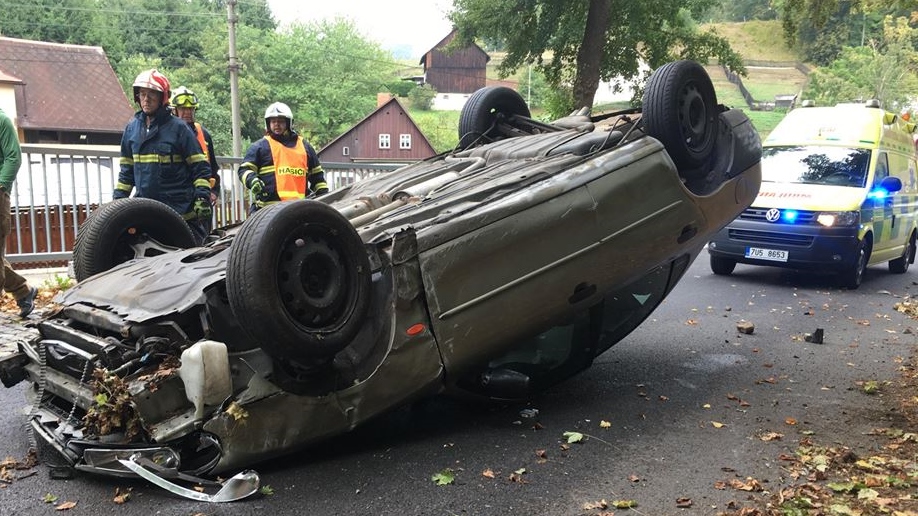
x=492 y=272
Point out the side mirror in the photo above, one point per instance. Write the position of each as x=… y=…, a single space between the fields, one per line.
x=891 y=184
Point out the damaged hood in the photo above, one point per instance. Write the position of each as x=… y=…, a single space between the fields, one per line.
x=140 y=290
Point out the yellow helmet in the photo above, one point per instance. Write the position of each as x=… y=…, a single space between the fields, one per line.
x=183 y=97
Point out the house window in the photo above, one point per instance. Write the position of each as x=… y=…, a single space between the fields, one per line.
x=404 y=141
x=384 y=141
x=345 y=151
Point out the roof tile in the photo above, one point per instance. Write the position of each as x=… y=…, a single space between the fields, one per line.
x=66 y=87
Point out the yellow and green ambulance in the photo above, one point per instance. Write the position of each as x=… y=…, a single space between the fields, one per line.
x=838 y=194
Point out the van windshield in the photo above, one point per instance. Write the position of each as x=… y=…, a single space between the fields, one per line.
x=816 y=165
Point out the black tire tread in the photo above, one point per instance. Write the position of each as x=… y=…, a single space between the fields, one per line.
x=661 y=116
x=92 y=250
x=251 y=283
x=478 y=112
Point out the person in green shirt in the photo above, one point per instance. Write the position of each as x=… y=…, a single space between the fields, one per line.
x=11 y=157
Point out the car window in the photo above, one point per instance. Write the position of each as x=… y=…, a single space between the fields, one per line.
x=882 y=170
x=812 y=164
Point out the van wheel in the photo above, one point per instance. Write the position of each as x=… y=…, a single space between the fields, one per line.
x=854 y=274
x=680 y=110
x=900 y=265
x=722 y=266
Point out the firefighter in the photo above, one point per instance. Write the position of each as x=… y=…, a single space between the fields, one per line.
x=281 y=166
x=185 y=105
x=161 y=159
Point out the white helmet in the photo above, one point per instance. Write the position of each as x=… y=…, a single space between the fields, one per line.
x=279 y=109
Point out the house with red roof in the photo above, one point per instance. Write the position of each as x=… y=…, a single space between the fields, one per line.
x=61 y=93
x=387 y=135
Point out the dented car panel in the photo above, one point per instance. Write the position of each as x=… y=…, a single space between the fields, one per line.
x=491 y=272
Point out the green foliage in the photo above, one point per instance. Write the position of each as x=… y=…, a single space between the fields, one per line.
x=440 y=127
x=534 y=88
x=741 y=11
x=330 y=81
x=400 y=87
x=58 y=283
x=422 y=97
x=862 y=73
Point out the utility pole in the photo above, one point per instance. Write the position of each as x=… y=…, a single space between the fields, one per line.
x=234 y=79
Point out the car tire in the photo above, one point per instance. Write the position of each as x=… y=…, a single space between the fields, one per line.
x=680 y=110
x=722 y=266
x=853 y=276
x=298 y=280
x=126 y=229
x=900 y=265
x=484 y=108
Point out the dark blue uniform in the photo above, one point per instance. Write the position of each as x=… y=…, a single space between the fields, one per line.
x=164 y=162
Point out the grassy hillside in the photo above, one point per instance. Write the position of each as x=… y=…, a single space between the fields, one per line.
x=755 y=40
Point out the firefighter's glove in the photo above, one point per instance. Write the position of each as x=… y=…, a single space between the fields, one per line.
x=257 y=187
x=202 y=208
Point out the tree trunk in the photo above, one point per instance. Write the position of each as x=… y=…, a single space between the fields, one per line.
x=591 y=53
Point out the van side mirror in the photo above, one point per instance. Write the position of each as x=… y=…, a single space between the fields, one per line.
x=891 y=184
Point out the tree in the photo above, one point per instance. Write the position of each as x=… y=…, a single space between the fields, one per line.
x=577 y=44
x=883 y=70
x=819 y=29
x=328 y=73
x=47 y=20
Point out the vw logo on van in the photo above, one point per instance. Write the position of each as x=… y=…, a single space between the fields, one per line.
x=773 y=215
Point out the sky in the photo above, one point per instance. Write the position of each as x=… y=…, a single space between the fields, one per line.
x=408 y=28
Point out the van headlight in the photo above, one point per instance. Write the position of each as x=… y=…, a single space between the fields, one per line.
x=838 y=218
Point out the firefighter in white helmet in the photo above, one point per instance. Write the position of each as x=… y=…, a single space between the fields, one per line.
x=281 y=166
x=161 y=159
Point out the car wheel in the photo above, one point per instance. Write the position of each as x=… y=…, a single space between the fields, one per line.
x=484 y=109
x=126 y=229
x=853 y=276
x=298 y=280
x=680 y=110
x=900 y=265
x=722 y=266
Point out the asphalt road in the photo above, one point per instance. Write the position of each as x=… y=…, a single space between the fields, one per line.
x=686 y=397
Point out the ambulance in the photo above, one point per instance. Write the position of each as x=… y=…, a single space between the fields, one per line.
x=838 y=194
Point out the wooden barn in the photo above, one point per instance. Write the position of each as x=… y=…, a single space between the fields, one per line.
x=454 y=75
x=387 y=135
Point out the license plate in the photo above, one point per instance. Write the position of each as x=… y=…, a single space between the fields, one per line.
x=775 y=255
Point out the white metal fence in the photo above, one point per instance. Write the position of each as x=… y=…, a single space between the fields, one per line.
x=59 y=185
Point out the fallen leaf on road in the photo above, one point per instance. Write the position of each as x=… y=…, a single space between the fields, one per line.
x=66 y=506
x=444 y=477
x=487 y=473
x=683 y=503
x=716 y=424
x=750 y=484
x=122 y=496
x=592 y=506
